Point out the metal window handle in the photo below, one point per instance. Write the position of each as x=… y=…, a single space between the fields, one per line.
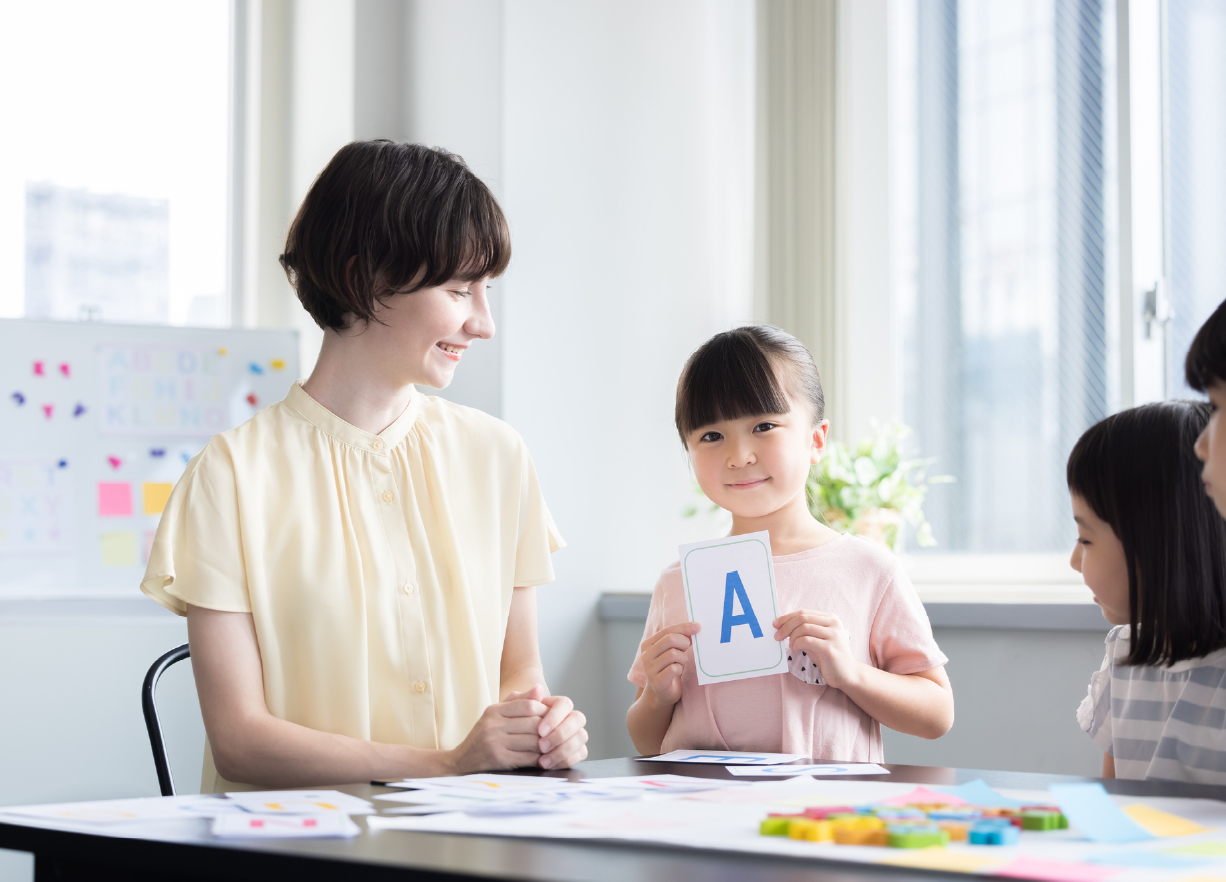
x=1157 y=307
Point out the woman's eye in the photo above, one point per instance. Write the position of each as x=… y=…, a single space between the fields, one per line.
x=464 y=292
x=710 y=436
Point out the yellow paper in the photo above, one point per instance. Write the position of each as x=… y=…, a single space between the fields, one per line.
x=155 y=497
x=1216 y=849
x=940 y=859
x=1162 y=823
x=119 y=549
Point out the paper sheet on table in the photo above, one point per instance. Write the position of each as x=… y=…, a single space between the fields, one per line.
x=301 y=802
x=978 y=792
x=799 y=769
x=663 y=783
x=722 y=757
x=1092 y=813
x=118 y=811
x=729 y=586
x=483 y=783
x=333 y=825
x=1162 y=823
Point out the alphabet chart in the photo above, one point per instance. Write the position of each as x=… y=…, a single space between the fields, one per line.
x=99 y=421
x=730 y=591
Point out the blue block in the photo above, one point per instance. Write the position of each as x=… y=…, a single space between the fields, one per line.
x=993 y=831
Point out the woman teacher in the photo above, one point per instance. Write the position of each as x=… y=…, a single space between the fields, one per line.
x=358 y=562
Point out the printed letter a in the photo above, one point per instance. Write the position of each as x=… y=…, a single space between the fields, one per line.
x=732 y=585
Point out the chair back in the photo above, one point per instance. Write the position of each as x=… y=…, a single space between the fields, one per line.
x=149 y=706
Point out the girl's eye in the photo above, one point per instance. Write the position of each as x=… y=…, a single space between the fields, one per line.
x=711 y=436
x=765 y=427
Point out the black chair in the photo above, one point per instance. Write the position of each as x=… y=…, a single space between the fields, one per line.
x=151 y=715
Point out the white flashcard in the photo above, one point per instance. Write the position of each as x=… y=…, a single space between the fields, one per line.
x=249 y=826
x=719 y=757
x=730 y=591
x=821 y=771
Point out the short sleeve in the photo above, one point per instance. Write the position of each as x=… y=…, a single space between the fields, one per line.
x=197 y=554
x=655 y=624
x=900 y=639
x=538 y=536
x=1094 y=712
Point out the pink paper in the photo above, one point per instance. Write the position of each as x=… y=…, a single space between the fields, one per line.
x=1055 y=871
x=922 y=795
x=114 y=499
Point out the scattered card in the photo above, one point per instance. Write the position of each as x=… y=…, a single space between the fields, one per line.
x=810 y=770
x=251 y=826
x=301 y=802
x=722 y=757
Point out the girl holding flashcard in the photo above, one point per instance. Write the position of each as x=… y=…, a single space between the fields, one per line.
x=859 y=645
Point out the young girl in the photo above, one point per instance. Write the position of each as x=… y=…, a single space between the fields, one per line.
x=749 y=411
x=1153 y=550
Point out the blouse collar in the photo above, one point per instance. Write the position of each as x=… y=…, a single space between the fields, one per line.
x=326 y=421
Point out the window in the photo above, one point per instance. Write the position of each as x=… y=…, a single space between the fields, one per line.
x=114 y=172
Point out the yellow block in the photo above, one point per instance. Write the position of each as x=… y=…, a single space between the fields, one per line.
x=1162 y=823
x=813 y=831
x=940 y=859
x=119 y=549
x=957 y=830
x=155 y=497
x=864 y=830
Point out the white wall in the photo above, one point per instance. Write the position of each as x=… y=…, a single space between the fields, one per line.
x=627 y=177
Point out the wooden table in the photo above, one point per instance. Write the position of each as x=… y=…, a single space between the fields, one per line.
x=403 y=855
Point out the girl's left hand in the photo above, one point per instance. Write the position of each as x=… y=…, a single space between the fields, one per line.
x=824 y=639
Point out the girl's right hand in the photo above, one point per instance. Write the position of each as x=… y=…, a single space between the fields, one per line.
x=664 y=660
x=505 y=737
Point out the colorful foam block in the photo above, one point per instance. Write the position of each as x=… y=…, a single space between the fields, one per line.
x=862 y=830
x=957 y=830
x=812 y=831
x=901 y=814
x=775 y=826
x=917 y=836
x=1043 y=820
x=821 y=813
x=955 y=813
x=993 y=831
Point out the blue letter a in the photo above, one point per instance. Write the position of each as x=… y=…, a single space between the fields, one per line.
x=733 y=585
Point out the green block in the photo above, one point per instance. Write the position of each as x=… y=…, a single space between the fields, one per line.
x=774 y=827
x=918 y=836
x=1044 y=820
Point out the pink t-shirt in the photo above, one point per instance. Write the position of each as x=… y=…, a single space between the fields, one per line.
x=861 y=583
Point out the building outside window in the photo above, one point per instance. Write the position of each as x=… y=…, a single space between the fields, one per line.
x=114 y=189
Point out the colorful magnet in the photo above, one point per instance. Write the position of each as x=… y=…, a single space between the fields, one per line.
x=19 y=398
x=38 y=369
x=63 y=463
x=252 y=400
x=223 y=350
x=157 y=452
x=65 y=369
x=255 y=368
x=48 y=409
x=278 y=364
x=115 y=461
x=78 y=410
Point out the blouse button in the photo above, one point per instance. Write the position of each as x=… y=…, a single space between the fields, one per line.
x=388 y=496
x=377 y=444
x=420 y=685
x=407 y=588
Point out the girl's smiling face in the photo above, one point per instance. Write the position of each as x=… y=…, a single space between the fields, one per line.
x=1099 y=557
x=755 y=466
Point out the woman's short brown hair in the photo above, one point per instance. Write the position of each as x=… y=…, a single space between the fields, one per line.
x=383 y=218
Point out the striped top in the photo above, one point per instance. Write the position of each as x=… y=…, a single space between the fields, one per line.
x=1162 y=723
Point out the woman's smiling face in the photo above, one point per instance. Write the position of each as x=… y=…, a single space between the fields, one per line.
x=753 y=466
x=424 y=334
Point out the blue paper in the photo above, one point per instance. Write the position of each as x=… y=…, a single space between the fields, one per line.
x=1091 y=811
x=1147 y=859
x=978 y=792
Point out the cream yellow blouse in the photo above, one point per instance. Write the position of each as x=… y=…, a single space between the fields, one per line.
x=378 y=568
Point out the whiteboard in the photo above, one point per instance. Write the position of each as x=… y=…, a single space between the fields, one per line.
x=99 y=422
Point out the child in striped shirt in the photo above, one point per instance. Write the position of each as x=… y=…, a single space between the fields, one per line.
x=1153 y=550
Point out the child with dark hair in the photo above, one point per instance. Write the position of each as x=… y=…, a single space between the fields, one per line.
x=1206 y=372
x=1153 y=550
x=861 y=654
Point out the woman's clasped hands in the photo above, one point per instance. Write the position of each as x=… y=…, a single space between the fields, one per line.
x=525 y=729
